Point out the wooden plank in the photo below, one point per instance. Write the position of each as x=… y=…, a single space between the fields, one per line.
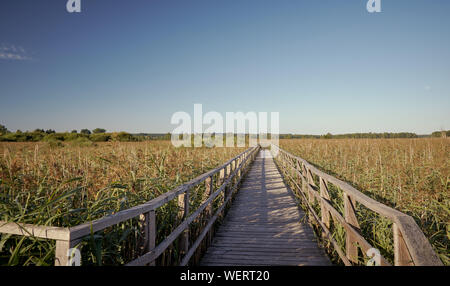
x=183 y=203
x=152 y=233
x=152 y=255
x=62 y=252
x=401 y=253
x=324 y=213
x=264 y=224
x=97 y=225
x=207 y=228
x=48 y=232
x=418 y=246
x=351 y=246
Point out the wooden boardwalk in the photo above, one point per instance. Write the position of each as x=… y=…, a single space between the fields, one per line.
x=264 y=225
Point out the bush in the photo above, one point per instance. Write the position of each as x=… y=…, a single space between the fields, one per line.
x=122 y=137
x=99 y=130
x=54 y=137
x=82 y=142
x=74 y=136
x=54 y=143
x=100 y=137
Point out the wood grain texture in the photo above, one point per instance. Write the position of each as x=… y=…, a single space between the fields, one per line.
x=264 y=225
x=411 y=247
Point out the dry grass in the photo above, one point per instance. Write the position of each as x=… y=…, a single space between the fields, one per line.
x=68 y=185
x=411 y=175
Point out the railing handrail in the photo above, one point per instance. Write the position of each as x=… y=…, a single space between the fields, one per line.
x=104 y=222
x=70 y=236
x=406 y=230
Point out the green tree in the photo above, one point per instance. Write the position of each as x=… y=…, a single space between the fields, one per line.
x=74 y=131
x=98 y=130
x=328 y=136
x=3 y=129
x=85 y=131
x=100 y=137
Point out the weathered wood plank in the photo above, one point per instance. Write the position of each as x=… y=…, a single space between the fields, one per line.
x=48 y=232
x=412 y=247
x=263 y=226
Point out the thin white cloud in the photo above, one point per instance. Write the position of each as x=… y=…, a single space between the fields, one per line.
x=12 y=52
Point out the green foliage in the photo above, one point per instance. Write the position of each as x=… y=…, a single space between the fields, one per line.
x=327 y=136
x=98 y=130
x=100 y=137
x=85 y=131
x=351 y=135
x=54 y=137
x=82 y=141
x=122 y=137
x=74 y=136
x=3 y=130
x=441 y=134
x=65 y=187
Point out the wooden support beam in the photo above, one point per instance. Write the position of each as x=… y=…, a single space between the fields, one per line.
x=209 y=182
x=401 y=253
x=350 y=217
x=325 y=214
x=183 y=203
x=62 y=251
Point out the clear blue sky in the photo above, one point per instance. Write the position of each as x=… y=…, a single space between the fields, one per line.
x=325 y=65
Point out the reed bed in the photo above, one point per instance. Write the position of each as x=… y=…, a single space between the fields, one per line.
x=410 y=175
x=69 y=184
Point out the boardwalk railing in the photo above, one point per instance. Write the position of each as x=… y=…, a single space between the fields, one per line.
x=229 y=176
x=411 y=247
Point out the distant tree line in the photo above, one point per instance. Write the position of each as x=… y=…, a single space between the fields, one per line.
x=351 y=135
x=97 y=135
x=100 y=135
x=441 y=133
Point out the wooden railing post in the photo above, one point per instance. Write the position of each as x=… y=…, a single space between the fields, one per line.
x=304 y=182
x=183 y=203
x=221 y=177
x=225 y=191
x=401 y=253
x=208 y=191
x=62 y=252
x=310 y=179
x=148 y=221
x=151 y=219
x=350 y=217
x=298 y=175
x=239 y=170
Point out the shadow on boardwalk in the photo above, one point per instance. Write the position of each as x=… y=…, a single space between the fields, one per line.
x=263 y=225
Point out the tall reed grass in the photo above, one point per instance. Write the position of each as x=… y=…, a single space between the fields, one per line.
x=410 y=175
x=69 y=184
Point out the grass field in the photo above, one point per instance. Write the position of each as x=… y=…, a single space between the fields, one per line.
x=66 y=185
x=410 y=175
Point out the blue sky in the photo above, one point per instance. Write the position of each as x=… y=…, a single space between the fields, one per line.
x=325 y=65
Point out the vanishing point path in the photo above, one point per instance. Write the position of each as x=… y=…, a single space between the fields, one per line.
x=264 y=225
